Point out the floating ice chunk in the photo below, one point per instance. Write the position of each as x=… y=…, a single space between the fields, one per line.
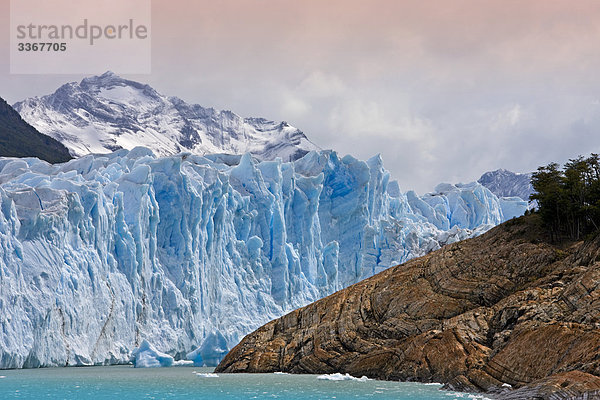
x=206 y=375
x=341 y=377
x=146 y=356
x=183 y=363
x=280 y=373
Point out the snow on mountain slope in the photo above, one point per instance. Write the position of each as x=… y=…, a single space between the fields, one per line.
x=105 y=113
x=191 y=253
x=505 y=183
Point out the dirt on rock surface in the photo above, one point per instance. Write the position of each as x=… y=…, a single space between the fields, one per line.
x=508 y=313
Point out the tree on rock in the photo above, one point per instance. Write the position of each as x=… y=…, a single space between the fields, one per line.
x=569 y=198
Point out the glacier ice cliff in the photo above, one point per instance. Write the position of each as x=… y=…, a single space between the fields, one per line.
x=192 y=252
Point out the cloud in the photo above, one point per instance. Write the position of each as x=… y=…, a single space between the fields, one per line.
x=507 y=119
x=320 y=84
x=294 y=106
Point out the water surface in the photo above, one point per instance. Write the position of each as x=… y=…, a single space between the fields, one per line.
x=128 y=383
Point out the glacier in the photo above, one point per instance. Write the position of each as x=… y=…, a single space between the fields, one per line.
x=185 y=254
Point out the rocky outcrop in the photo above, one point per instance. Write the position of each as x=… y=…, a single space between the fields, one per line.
x=507 y=313
x=572 y=385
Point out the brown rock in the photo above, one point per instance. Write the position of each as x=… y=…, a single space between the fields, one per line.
x=506 y=308
x=571 y=385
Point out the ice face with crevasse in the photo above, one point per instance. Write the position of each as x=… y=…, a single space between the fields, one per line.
x=190 y=253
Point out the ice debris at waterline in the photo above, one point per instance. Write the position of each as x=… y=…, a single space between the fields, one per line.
x=192 y=253
x=212 y=350
x=183 y=363
x=146 y=356
x=206 y=375
x=341 y=377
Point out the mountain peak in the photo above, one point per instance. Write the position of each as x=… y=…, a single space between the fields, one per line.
x=98 y=84
x=107 y=77
x=106 y=112
x=505 y=183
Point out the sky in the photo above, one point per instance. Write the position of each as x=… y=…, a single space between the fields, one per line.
x=444 y=91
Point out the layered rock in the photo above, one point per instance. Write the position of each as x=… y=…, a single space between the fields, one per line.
x=505 y=310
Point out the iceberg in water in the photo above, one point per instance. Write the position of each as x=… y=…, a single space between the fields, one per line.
x=341 y=377
x=192 y=253
x=146 y=356
x=206 y=375
x=183 y=363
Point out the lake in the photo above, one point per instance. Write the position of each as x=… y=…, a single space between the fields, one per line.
x=128 y=383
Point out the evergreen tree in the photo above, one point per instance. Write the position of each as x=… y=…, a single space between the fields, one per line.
x=569 y=198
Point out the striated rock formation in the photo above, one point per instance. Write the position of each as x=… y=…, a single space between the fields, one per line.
x=507 y=313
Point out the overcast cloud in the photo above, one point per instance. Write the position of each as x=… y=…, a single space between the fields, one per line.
x=443 y=90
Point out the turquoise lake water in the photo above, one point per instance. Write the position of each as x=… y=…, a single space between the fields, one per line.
x=128 y=383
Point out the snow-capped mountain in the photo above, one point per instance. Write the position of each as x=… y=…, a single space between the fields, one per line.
x=505 y=183
x=106 y=113
x=191 y=253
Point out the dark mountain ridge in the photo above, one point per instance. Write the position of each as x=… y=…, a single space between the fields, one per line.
x=19 y=139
